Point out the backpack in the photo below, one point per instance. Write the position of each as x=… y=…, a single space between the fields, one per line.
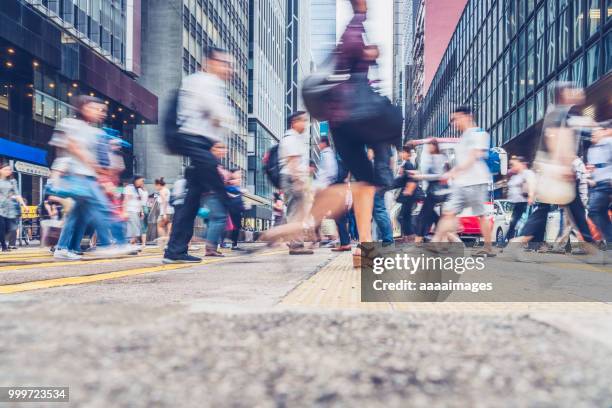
x=272 y=166
x=171 y=128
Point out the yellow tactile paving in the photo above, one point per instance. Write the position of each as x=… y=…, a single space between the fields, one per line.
x=337 y=286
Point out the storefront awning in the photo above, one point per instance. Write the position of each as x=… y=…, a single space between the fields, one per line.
x=14 y=150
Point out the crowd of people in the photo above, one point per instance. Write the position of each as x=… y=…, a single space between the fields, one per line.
x=347 y=190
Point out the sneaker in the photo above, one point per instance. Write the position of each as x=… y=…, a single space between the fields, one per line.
x=237 y=248
x=66 y=255
x=301 y=251
x=185 y=258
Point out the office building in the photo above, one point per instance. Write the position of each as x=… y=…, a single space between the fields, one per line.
x=403 y=67
x=266 y=85
x=175 y=36
x=504 y=58
x=432 y=27
x=322 y=29
x=51 y=51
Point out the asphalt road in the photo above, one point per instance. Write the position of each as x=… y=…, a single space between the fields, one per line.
x=215 y=335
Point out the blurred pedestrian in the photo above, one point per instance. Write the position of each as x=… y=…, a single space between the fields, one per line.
x=600 y=164
x=205 y=119
x=166 y=211
x=470 y=180
x=434 y=166
x=77 y=139
x=521 y=192
x=135 y=201
x=8 y=197
x=294 y=153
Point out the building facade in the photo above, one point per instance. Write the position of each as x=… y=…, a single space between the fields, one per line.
x=322 y=29
x=505 y=57
x=432 y=25
x=266 y=85
x=51 y=51
x=403 y=67
x=175 y=35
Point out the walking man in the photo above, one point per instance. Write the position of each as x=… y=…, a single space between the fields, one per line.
x=470 y=179
x=204 y=119
x=294 y=154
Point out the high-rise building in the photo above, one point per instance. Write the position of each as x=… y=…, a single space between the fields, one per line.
x=266 y=86
x=175 y=36
x=299 y=63
x=403 y=38
x=433 y=25
x=504 y=59
x=53 y=50
x=322 y=29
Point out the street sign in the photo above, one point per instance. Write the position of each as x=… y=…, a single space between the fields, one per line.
x=33 y=169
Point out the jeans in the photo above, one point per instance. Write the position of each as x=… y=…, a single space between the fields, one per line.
x=201 y=177
x=381 y=217
x=91 y=208
x=343 y=234
x=352 y=225
x=406 y=216
x=236 y=216
x=4 y=228
x=217 y=221
x=599 y=204
x=517 y=212
x=578 y=212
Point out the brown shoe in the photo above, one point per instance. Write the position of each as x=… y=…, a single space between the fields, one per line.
x=301 y=251
x=341 y=248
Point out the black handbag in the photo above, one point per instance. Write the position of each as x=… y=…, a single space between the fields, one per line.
x=371 y=116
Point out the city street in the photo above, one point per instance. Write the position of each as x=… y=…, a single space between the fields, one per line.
x=267 y=329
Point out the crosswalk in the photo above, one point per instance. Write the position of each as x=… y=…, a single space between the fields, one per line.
x=30 y=270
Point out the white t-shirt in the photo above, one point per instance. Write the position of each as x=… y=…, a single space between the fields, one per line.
x=517 y=190
x=83 y=134
x=294 y=144
x=137 y=199
x=478 y=172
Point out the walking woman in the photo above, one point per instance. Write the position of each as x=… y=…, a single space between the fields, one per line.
x=521 y=191
x=434 y=166
x=166 y=211
x=353 y=57
x=8 y=197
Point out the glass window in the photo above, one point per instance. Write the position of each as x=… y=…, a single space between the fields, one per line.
x=592 y=70
x=541 y=22
x=540 y=61
x=531 y=34
x=530 y=114
x=578 y=71
x=578 y=23
x=552 y=61
x=520 y=13
x=530 y=6
x=539 y=108
x=521 y=79
x=594 y=9
x=552 y=10
x=521 y=119
x=564 y=31
x=530 y=71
